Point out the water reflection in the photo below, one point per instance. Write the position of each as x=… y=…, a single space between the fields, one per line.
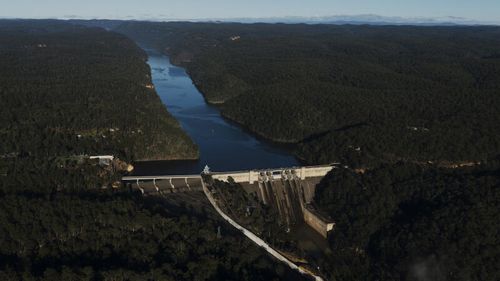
x=223 y=145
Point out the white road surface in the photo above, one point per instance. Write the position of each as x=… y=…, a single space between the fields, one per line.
x=250 y=235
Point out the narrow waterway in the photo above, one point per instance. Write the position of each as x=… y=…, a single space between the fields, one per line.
x=224 y=146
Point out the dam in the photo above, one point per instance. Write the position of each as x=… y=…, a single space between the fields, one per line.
x=290 y=191
x=227 y=146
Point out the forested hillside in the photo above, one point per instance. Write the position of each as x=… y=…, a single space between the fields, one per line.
x=119 y=236
x=81 y=92
x=396 y=222
x=411 y=107
x=406 y=222
x=356 y=94
x=66 y=92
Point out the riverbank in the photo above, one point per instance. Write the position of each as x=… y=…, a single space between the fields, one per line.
x=223 y=144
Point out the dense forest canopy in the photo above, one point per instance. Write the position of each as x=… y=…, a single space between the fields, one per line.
x=122 y=237
x=356 y=94
x=414 y=105
x=68 y=91
x=407 y=222
x=387 y=98
x=398 y=221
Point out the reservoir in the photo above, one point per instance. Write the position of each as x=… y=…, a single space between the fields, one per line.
x=223 y=145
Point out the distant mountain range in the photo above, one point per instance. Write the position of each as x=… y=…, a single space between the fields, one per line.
x=365 y=19
x=336 y=19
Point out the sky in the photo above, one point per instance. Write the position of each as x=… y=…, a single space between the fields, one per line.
x=481 y=10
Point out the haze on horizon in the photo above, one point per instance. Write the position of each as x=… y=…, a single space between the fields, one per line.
x=480 y=10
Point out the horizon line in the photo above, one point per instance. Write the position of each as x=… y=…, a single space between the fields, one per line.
x=356 y=18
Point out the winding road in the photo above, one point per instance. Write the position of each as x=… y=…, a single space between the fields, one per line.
x=250 y=235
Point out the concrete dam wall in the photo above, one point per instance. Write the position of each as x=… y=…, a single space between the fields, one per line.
x=289 y=191
x=256 y=175
x=164 y=184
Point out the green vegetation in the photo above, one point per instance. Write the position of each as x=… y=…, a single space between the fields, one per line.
x=387 y=98
x=242 y=207
x=360 y=95
x=67 y=91
x=294 y=241
x=70 y=91
x=403 y=221
x=250 y=213
x=408 y=103
x=115 y=236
